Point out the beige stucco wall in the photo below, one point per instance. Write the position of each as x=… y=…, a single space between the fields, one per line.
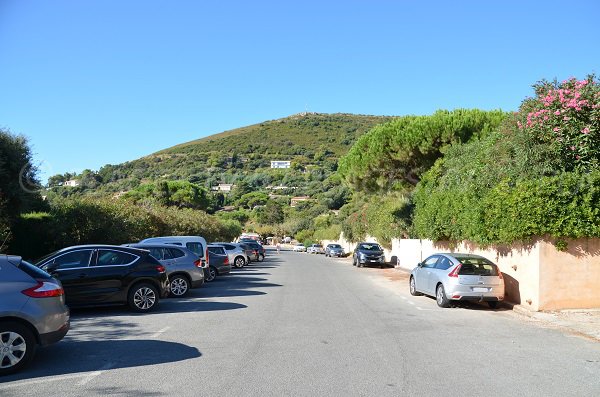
x=537 y=276
x=570 y=279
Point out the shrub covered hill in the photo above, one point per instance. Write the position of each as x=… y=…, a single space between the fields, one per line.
x=313 y=142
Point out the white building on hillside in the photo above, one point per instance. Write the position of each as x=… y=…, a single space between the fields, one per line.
x=223 y=187
x=281 y=164
x=71 y=182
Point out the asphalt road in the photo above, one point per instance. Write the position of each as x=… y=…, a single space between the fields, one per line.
x=299 y=324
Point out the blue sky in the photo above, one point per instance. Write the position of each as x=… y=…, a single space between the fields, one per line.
x=106 y=81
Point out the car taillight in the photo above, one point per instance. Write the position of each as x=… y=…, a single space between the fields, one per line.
x=255 y=252
x=226 y=261
x=161 y=269
x=44 y=289
x=206 y=257
x=454 y=272
x=198 y=263
x=500 y=275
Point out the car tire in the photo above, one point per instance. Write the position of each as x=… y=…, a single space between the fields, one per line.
x=142 y=297
x=440 y=296
x=212 y=274
x=239 y=262
x=179 y=286
x=413 y=287
x=23 y=345
x=493 y=304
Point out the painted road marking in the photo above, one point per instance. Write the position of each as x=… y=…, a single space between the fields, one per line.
x=57 y=378
x=95 y=374
x=159 y=333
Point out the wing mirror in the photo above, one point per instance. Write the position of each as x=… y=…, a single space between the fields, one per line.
x=420 y=264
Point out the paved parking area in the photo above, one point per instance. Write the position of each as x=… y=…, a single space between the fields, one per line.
x=301 y=324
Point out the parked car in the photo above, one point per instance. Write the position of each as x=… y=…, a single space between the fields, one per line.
x=32 y=312
x=315 y=249
x=94 y=275
x=238 y=253
x=458 y=277
x=218 y=262
x=368 y=254
x=258 y=250
x=299 y=248
x=334 y=250
x=196 y=244
x=250 y=253
x=184 y=267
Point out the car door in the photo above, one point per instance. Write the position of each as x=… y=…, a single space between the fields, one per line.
x=107 y=276
x=424 y=274
x=71 y=269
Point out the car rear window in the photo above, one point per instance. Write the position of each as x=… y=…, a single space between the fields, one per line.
x=196 y=248
x=478 y=268
x=33 y=272
x=216 y=250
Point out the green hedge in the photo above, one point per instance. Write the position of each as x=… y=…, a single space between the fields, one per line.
x=91 y=221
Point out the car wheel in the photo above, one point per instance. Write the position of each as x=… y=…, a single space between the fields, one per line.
x=492 y=304
x=212 y=274
x=239 y=262
x=440 y=296
x=142 y=297
x=413 y=287
x=353 y=261
x=179 y=286
x=17 y=347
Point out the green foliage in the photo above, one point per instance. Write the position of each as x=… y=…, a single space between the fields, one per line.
x=93 y=221
x=182 y=194
x=395 y=155
x=332 y=232
x=270 y=214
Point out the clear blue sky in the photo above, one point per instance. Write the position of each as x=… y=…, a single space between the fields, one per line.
x=106 y=81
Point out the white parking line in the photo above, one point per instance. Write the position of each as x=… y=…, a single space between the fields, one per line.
x=412 y=303
x=424 y=310
x=95 y=374
x=159 y=333
x=87 y=375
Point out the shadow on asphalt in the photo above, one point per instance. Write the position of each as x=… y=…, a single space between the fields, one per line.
x=467 y=305
x=72 y=356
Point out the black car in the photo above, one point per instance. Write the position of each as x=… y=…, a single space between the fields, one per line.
x=257 y=249
x=97 y=275
x=218 y=262
x=368 y=254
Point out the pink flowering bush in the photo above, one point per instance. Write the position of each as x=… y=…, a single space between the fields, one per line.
x=567 y=116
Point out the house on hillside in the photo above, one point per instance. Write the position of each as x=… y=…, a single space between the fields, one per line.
x=281 y=164
x=299 y=199
x=223 y=187
x=71 y=183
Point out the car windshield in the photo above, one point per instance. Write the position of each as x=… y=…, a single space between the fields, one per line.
x=370 y=247
x=335 y=246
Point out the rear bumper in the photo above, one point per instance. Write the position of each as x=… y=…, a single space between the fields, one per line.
x=55 y=336
x=224 y=269
x=462 y=292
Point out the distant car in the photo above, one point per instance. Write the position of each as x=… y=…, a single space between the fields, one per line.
x=95 y=275
x=299 y=248
x=32 y=312
x=237 y=253
x=218 y=262
x=184 y=267
x=334 y=250
x=258 y=250
x=368 y=254
x=458 y=277
x=315 y=249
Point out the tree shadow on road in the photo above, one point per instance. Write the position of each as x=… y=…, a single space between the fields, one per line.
x=72 y=356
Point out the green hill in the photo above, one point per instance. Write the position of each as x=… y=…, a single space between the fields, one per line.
x=311 y=141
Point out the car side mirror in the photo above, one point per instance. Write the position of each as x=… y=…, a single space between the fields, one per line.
x=420 y=264
x=49 y=267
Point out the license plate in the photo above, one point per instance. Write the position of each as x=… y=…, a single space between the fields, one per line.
x=480 y=289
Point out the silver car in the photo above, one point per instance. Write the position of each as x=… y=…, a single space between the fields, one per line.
x=458 y=277
x=32 y=312
x=236 y=253
x=184 y=267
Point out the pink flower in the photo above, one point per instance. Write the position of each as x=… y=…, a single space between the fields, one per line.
x=556 y=129
x=572 y=147
x=586 y=130
x=557 y=113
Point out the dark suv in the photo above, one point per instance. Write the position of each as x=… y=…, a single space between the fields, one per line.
x=368 y=254
x=94 y=275
x=32 y=312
